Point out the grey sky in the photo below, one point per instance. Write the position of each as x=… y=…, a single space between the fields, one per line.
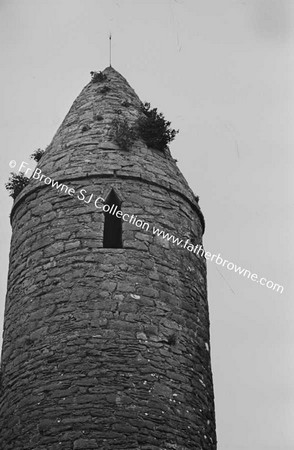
x=222 y=72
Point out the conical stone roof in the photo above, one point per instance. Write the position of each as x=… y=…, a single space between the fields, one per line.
x=85 y=145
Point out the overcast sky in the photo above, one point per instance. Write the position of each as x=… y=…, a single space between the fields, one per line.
x=222 y=72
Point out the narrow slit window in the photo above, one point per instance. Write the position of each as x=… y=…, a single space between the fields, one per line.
x=112 y=234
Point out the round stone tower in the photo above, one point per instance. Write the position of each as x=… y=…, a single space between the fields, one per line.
x=106 y=329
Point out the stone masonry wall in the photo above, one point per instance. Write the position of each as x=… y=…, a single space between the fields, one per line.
x=105 y=348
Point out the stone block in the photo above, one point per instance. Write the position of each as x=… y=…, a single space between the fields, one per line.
x=85 y=444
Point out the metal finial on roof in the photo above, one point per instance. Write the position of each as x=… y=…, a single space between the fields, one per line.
x=110 y=49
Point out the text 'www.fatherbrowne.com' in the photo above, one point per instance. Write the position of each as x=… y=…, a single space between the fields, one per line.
x=100 y=204
x=199 y=251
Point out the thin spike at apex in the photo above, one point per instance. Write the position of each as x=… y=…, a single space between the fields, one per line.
x=110 y=49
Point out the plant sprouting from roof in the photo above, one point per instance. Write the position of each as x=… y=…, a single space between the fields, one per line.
x=124 y=135
x=154 y=129
x=98 y=77
x=37 y=155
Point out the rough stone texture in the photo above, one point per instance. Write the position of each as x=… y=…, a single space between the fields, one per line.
x=105 y=348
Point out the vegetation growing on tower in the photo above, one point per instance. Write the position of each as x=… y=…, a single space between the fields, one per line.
x=154 y=129
x=98 y=77
x=16 y=183
x=124 y=135
x=37 y=155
